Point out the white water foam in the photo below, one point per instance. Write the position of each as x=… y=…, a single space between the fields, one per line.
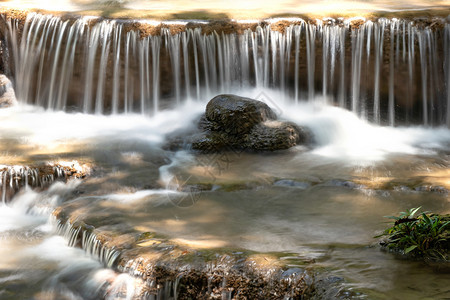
x=74 y=273
x=338 y=133
x=32 y=209
x=36 y=126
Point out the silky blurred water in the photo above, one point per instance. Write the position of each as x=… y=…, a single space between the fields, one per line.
x=323 y=202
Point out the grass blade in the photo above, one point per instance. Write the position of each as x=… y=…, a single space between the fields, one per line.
x=409 y=249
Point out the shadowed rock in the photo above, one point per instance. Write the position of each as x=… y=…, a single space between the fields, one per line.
x=232 y=122
x=275 y=135
x=236 y=115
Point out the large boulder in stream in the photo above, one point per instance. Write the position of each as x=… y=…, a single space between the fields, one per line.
x=237 y=115
x=232 y=122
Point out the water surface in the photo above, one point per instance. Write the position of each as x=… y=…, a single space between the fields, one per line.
x=323 y=203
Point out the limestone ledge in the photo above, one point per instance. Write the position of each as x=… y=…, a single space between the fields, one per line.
x=188 y=268
x=209 y=24
x=13 y=178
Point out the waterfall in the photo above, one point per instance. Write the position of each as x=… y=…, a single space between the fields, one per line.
x=389 y=71
x=77 y=235
x=13 y=178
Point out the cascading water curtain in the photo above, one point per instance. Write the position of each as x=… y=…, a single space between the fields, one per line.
x=388 y=71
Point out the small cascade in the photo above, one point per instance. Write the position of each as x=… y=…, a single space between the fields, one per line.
x=389 y=71
x=166 y=279
x=13 y=178
x=63 y=272
x=82 y=236
x=311 y=32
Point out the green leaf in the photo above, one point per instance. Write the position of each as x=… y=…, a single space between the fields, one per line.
x=427 y=219
x=413 y=211
x=404 y=214
x=409 y=249
x=435 y=223
x=444 y=225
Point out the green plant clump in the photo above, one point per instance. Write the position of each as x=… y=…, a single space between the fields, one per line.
x=425 y=236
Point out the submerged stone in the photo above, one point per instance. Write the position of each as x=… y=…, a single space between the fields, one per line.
x=292 y=183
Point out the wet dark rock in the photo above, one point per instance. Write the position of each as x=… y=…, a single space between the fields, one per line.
x=195 y=188
x=292 y=271
x=236 y=123
x=292 y=183
x=439 y=189
x=434 y=189
x=402 y=188
x=276 y=135
x=212 y=141
x=237 y=186
x=331 y=287
x=236 y=115
x=346 y=184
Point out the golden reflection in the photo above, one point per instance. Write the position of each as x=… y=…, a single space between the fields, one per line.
x=148 y=243
x=264 y=261
x=404 y=175
x=441 y=177
x=206 y=243
x=144 y=228
x=174 y=223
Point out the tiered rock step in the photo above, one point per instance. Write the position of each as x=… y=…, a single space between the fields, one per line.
x=14 y=178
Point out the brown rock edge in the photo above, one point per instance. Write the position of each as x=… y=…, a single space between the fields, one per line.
x=13 y=178
x=168 y=267
x=422 y=18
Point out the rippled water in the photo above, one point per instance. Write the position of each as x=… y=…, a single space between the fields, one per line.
x=323 y=203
